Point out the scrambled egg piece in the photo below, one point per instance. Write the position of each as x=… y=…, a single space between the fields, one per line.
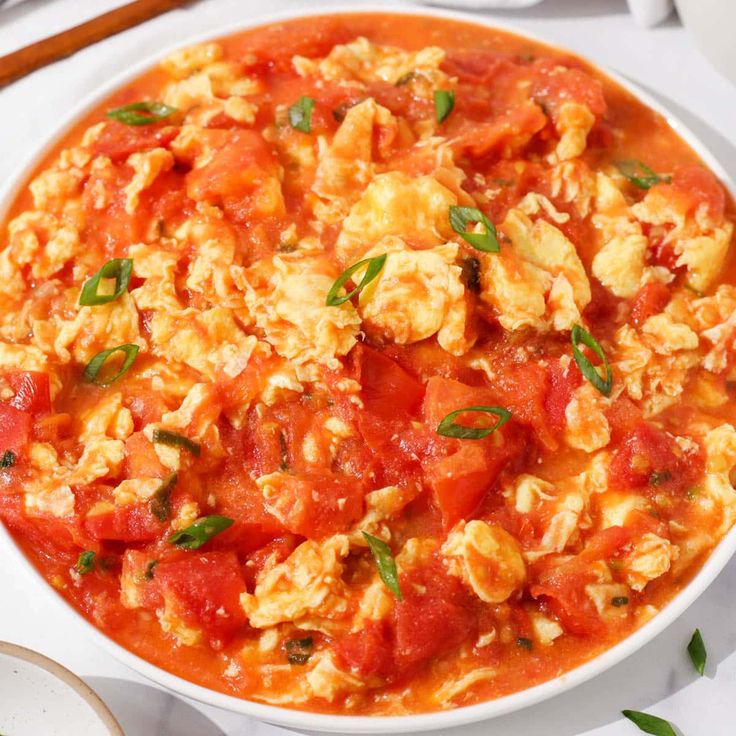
x=346 y=166
x=486 y=558
x=573 y=124
x=212 y=342
x=326 y=680
x=620 y=263
x=614 y=507
x=700 y=243
x=146 y=165
x=719 y=494
x=107 y=417
x=417 y=293
x=650 y=557
x=655 y=364
x=158 y=267
x=97 y=328
x=287 y=301
x=363 y=61
x=396 y=204
x=307 y=583
x=575 y=183
x=586 y=423
x=546 y=630
x=539 y=281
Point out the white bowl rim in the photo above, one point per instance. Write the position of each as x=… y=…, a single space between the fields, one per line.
x=346 y=724
x=88 y=695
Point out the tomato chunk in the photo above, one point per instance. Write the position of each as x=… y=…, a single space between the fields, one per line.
x=649 y=457
x=133 y=523
x=368 y=652
x=32 y=392
x=15 y=428
x=206 y=592
x=651 y=299
x=387 y=389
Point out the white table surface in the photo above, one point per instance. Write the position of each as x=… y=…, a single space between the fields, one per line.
x=659 y=678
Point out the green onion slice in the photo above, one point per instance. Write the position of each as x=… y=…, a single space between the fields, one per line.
x=119 y=269
x=620 y=600
x=448 y=428
x=8 y=459
x=86 y=563
x=696 y=650
x=200 y=532
x=525 y=643
x=580 y=335
x=148 y=575
x=141 y=113
x=300 y=114
x=385 y=563
x=374 y=266
x=444 y=101
x=174 y=439
x=459 y=219
x=298 y=651
x=93 y=368
x=639 y=174
x=650 y=724
x=160 y=502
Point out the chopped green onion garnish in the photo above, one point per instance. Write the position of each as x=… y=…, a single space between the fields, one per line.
x=8 y=459
x=619 y=600
x=658 y=477
x=300 y=114
x=650 y=724
x=298 y=651
x=581 y=335
x=200 y=532
x=696 y=650
x=525 y=643
x=459 y=219
x=374 y=266
x=148 y=575
x=404 y=79
x=160 y=502
x=385 y=563
x=448 y=428
x=443 y=103
x=174 y=439
x=284 y=466
x=119 y=269
x=86 y=563
x=141 y=113
x=93 y=368
x=639 y=174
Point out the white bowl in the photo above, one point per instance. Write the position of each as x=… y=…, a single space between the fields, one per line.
x=380 y=724
x=39 y=696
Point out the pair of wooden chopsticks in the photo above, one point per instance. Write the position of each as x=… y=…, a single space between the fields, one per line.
x=24 y=61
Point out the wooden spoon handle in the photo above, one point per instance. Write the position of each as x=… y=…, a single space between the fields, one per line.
x=28 y=59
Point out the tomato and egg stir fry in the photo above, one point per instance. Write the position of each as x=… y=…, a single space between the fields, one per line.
x=368 y=364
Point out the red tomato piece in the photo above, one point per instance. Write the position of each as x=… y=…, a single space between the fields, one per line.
x=15 y=428
x=649 y=457
x=133 y=523
x=118 y=141
x=651 y=299
x=206 y=591
x=697 y=186
x=554 y=88
x=32 y=392
x=387 y=389
x=319 y=504
x=563 y=380
x=273 y=553
x=368 y=652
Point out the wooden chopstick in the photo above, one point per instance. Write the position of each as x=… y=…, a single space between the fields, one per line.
x=26 y=60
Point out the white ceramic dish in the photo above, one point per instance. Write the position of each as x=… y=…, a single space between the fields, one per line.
x=383 y=724
x=39 y=696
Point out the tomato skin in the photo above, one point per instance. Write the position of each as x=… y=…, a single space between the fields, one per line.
x=651 y=299
x=207 y=589
x=32 y=392
x=15 y=428
x=554 y=88
x=118 y=141
x=649 y=457
x=694 y=185
x=273 y=553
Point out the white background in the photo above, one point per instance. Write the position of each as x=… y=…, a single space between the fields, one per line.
x=659 y=678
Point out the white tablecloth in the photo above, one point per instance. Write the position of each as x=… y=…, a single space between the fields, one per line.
x=658 y=679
